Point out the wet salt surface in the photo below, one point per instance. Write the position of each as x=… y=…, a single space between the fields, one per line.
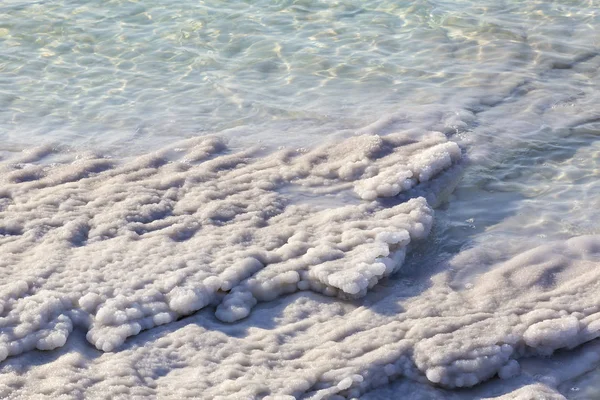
x=455 y=320
x=117 y=249
x=500 y=297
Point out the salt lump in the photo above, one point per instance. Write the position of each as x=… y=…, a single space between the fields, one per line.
x=308 y=347
x=116 y=248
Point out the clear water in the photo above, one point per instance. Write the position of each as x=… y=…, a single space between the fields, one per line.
x=98 y=73
x=517 y=83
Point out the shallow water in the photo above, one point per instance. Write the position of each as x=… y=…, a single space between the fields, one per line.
x=516 y=84
x=101 y=74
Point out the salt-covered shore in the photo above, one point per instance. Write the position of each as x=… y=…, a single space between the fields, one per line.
x=110 y=248
x=118 y=248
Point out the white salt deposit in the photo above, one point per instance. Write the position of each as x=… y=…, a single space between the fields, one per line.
x=119 y=248
x=115 y=249
x=309 y=347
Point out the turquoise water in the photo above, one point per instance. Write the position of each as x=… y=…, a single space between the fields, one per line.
x=516 y=83
x=101 y=74
x=105 y=72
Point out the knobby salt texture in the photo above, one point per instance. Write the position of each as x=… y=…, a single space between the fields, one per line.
x=534 y=304
x=310 y=347
x=117 y=248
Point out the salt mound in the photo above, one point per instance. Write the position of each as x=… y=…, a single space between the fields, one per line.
x=307 y=347
x=532 y=305
x=116 y=248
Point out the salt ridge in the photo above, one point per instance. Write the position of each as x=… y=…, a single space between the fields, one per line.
x=117 y=248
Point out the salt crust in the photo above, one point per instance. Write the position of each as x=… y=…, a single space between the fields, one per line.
x=308 y=347
x=534 y=304
x=116 y=248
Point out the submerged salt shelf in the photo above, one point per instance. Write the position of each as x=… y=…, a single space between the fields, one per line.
x=116 y=249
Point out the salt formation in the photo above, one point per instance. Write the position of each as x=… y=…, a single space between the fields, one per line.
x=117 y=248
x=114 y=249
x=308 y=347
